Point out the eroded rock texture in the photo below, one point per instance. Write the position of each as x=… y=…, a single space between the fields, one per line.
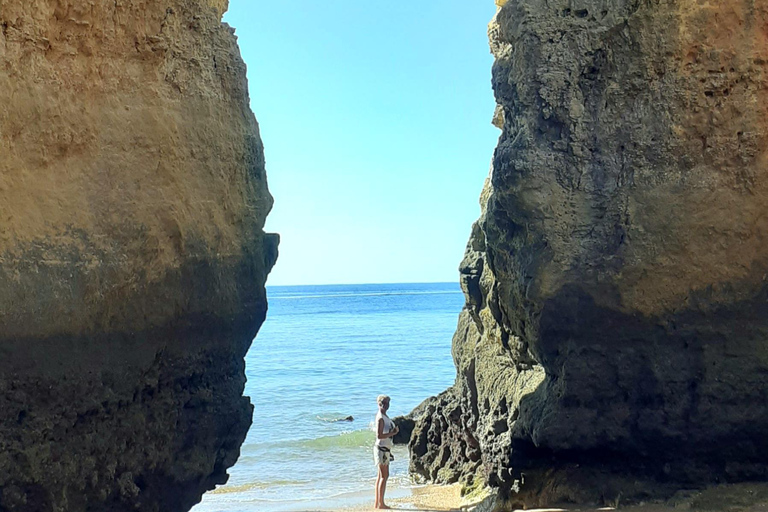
x=616 y=324
x=132 y=255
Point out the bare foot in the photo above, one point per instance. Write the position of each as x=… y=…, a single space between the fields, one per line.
x=384 y=507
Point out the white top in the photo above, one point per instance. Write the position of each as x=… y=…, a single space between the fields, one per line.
x=389 y=426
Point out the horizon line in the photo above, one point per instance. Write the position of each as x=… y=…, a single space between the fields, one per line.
x=362 y=284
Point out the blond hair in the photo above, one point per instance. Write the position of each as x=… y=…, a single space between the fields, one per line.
x=380 y=399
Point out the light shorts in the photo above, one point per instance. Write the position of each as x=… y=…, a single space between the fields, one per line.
x=380 y=457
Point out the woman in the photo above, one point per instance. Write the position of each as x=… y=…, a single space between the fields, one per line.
x=385 y=431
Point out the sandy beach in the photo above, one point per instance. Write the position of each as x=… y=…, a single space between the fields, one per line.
x=431 y=497
x=438 y=498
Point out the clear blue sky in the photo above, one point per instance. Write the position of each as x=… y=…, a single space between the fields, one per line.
x=376 y=122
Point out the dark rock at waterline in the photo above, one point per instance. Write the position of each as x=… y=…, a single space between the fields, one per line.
x=613 y=341
x=132 y=255
x=406 y=423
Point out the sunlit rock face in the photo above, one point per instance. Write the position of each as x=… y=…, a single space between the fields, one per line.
x=616 y=321
x=132 y=254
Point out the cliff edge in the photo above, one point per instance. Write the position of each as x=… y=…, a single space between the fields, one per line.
x=616 y=322
x=132 y=253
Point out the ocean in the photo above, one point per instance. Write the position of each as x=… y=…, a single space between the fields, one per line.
x=324 y=354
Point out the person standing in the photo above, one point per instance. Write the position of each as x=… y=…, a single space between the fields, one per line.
x=382 y=449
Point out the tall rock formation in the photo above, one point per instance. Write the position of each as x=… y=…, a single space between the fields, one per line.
x=616 y=322
x=132 y=254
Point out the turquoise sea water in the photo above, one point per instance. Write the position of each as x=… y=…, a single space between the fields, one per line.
x=325 y=353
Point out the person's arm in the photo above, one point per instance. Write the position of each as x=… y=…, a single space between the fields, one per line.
x=380 y=430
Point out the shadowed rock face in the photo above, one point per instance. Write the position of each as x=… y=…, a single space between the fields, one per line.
x=616 y=324
x=132 y=253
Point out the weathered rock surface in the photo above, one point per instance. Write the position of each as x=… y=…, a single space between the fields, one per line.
x=132 y=254
x=616 y=321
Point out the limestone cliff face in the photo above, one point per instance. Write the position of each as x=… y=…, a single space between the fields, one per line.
x=132 y=255
x=617 y=300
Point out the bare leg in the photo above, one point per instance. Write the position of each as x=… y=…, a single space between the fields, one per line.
x=377 y=489
x=382 y=484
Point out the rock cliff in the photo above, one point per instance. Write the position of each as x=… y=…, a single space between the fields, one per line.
x=615 y=332
x=132 y=253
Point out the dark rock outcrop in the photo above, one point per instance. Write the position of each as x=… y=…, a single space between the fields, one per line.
x=406 y=423
x=132 y=255
x=614 y=339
